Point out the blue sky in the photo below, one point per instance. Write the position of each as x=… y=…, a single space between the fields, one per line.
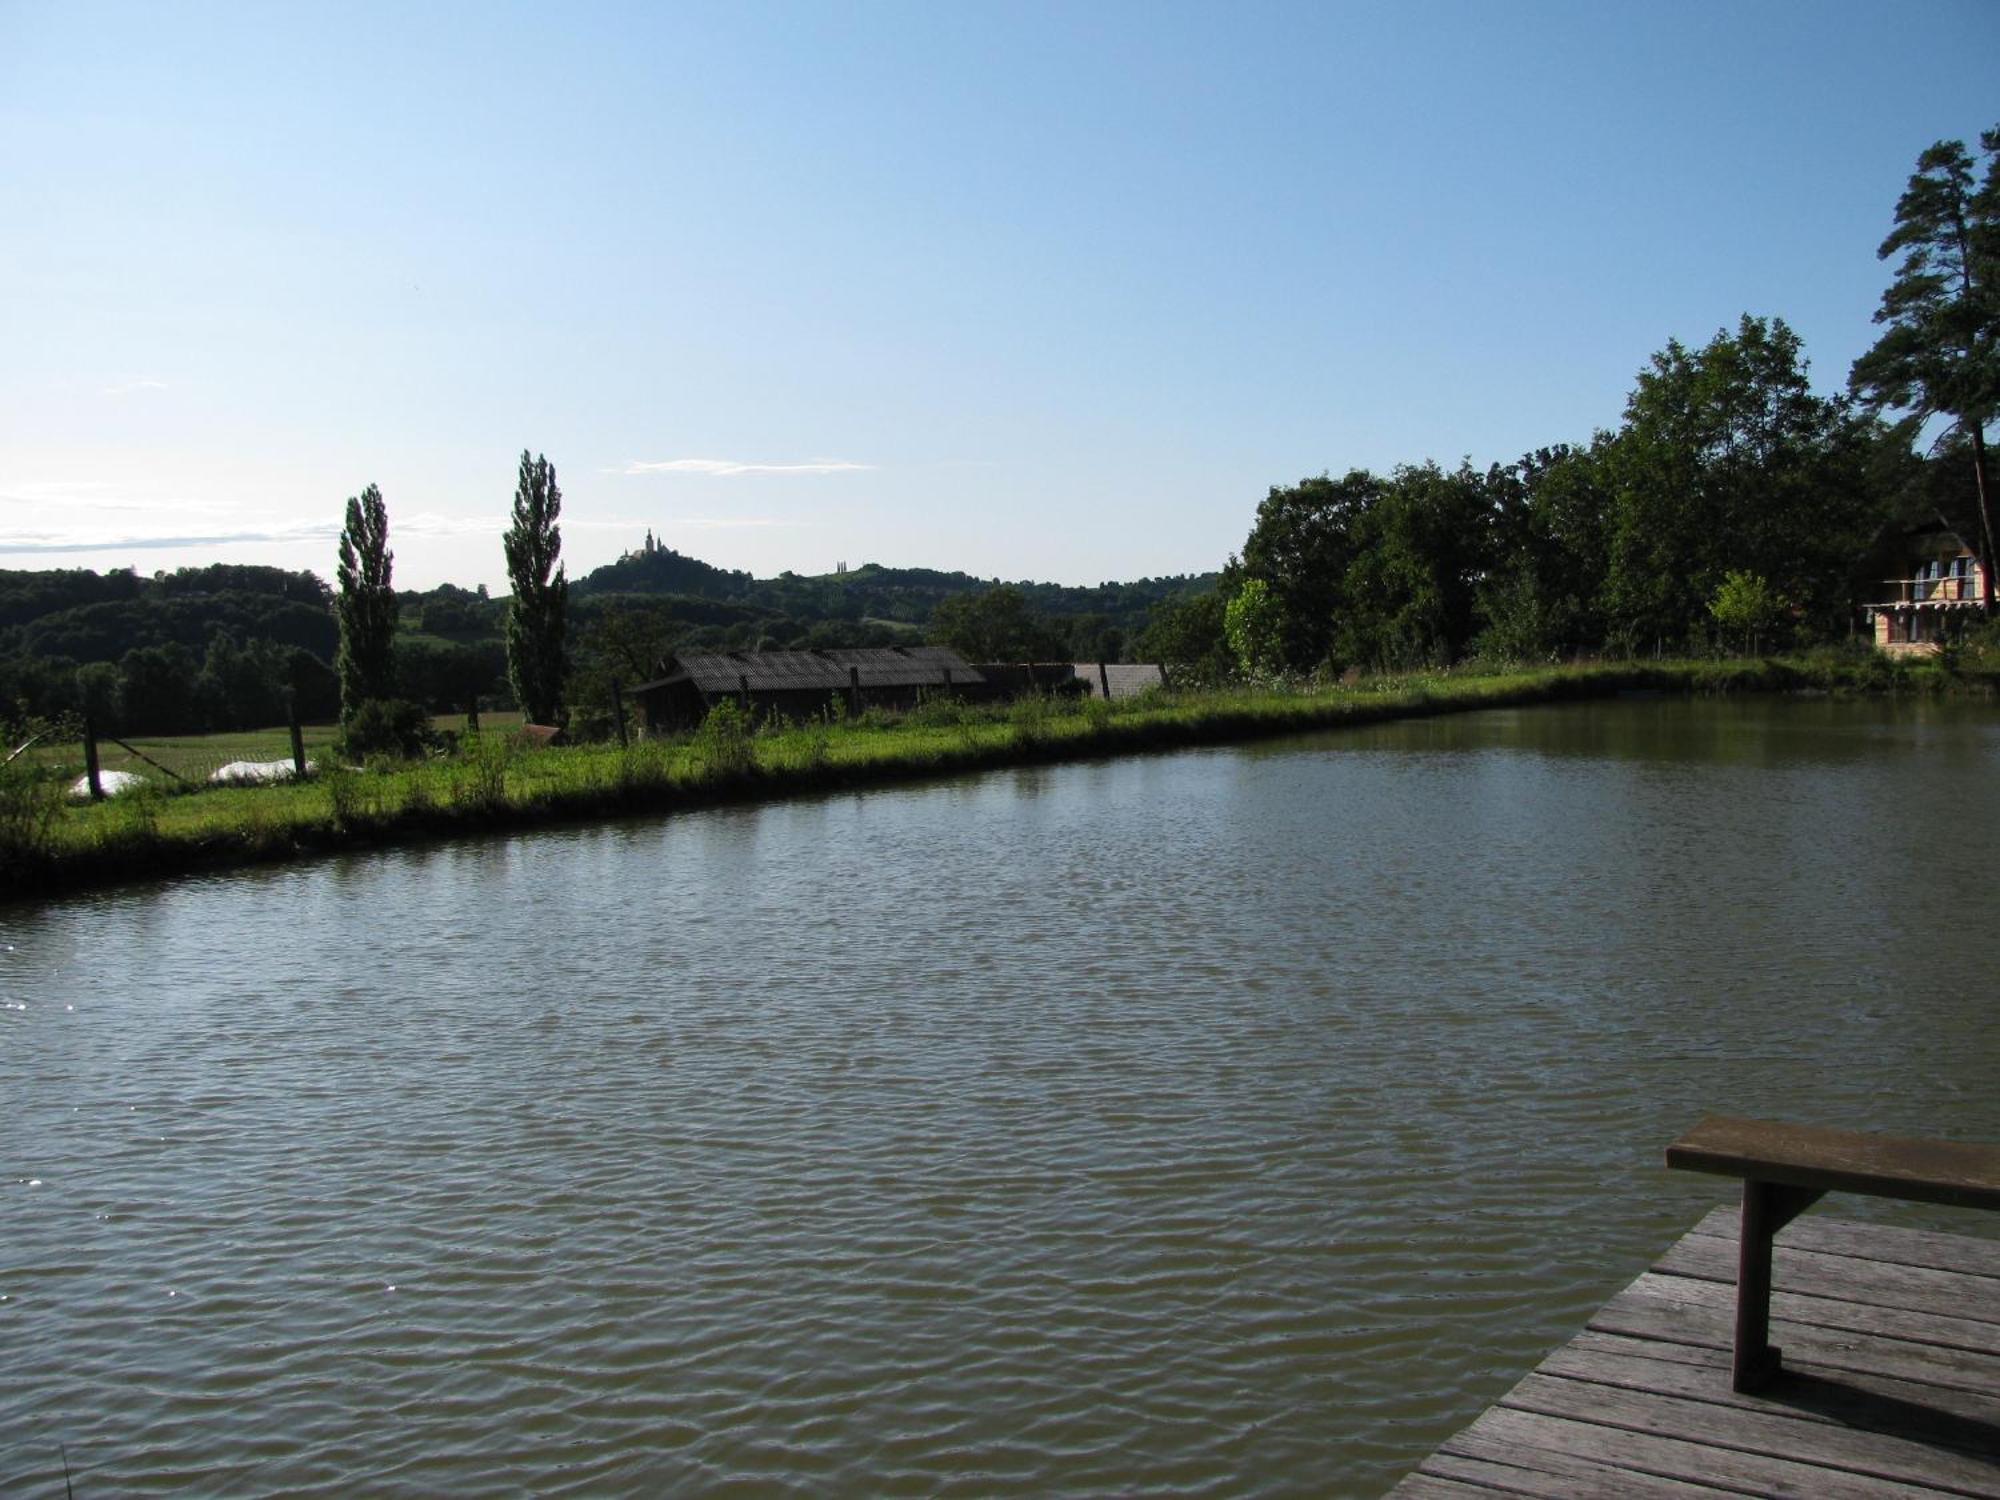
x=1048 y=291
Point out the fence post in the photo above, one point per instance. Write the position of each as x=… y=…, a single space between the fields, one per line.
x=618 y=712
x=1104 y=680
x=298 y=741
x=854 y=690
x=472 y=715
x=90 y=759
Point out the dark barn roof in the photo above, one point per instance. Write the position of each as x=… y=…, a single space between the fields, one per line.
x=816 y=671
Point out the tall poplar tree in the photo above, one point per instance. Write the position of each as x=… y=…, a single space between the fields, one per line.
x=536 y=620
x=365 y=605
x=1940 y=355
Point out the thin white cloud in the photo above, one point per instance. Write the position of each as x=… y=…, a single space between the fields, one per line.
x=47 y=542
x=213 y=526
x=131 y=387
x=729 y=467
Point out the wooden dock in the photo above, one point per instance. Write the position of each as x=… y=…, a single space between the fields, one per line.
x=1890 y=1386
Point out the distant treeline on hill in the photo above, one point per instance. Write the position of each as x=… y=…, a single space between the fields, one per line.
x=230 y=646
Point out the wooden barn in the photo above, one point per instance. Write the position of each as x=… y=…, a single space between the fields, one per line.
x=801 y=684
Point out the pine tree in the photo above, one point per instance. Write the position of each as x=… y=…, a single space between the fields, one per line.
x=366 y=605
x=1940 y=355
x=536 y=620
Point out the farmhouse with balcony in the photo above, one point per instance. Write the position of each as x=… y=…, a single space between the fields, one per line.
x=1942 y=588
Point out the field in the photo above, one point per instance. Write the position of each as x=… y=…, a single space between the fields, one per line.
x=192 y=759
x=490 y=782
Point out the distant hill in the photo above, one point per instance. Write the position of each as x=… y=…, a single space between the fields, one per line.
x=871 y=592
x=217 y=647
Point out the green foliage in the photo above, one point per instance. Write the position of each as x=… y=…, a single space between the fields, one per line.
x=1522 y=623
x=1303 y=541
x=366 y=605
x=391 y=727
x=1031 y=719
x=31 y=800
x=1939 y=353
x=102 y=841
x=447 y=678
x=1408 y=593
x=479 y=771
x=661 y=570
x=1188 y=635
x=1746 y=607
x=996 y=624
x=938 y=711
x=724 y=741
x=1252 y=622
x=1727 y=460
x=99 y=693
x=537 y=622
x=1550 y=542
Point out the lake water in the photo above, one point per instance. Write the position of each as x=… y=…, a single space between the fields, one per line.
x=1235 y=1121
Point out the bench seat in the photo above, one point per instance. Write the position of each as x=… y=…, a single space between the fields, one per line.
x=1786 y=1168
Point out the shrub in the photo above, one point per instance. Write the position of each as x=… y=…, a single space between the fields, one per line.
x=937 y=711
x=30 y=802
x=1030 y=718
x=479 y=775
x=723 y=743
x=392 y=727
x=347 y=798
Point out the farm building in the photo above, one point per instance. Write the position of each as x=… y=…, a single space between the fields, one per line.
x=1115 y=679
x=801 y=684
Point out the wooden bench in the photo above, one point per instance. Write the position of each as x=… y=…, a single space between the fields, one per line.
x=1787 y=1168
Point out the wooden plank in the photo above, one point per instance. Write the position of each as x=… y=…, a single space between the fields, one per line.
x=1763 y=1431
x=1683 y=1459
x=1476 y=1456
x=1844 y=1278
x=1857 y=1398
x=1891 y=1385
x=1422 y=1486
x=1677 y=1310
x=1968 y=1254
x=1962 y=1173
x=1718 y=1299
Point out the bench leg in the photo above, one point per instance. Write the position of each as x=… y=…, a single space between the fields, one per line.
x=1767 y=1208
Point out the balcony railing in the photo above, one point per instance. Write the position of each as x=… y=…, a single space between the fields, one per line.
x=1955 y=589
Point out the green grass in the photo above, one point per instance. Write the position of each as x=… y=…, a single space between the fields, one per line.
x=492 y=784
x=193 y=757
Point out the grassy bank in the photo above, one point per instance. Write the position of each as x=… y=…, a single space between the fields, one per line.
x=490 y=784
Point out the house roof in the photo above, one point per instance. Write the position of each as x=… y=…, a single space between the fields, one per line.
x=816 y=671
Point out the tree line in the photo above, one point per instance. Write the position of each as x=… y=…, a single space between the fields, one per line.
x=1732 y=507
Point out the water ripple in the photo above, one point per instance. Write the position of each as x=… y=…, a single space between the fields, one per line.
x=1232 y=1122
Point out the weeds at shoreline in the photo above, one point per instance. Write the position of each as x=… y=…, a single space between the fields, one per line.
x=489 y=784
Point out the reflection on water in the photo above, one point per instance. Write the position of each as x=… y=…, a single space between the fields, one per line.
x=1233 y=1121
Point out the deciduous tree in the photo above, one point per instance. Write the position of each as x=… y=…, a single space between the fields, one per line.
x=1305 y=537
x=537 y=619
x=365 y=604
x=1728 y=460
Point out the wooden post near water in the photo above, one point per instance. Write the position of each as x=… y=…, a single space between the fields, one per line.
x=472 y=715
x=90 y=759
x=618 y=713
x=298 y=742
